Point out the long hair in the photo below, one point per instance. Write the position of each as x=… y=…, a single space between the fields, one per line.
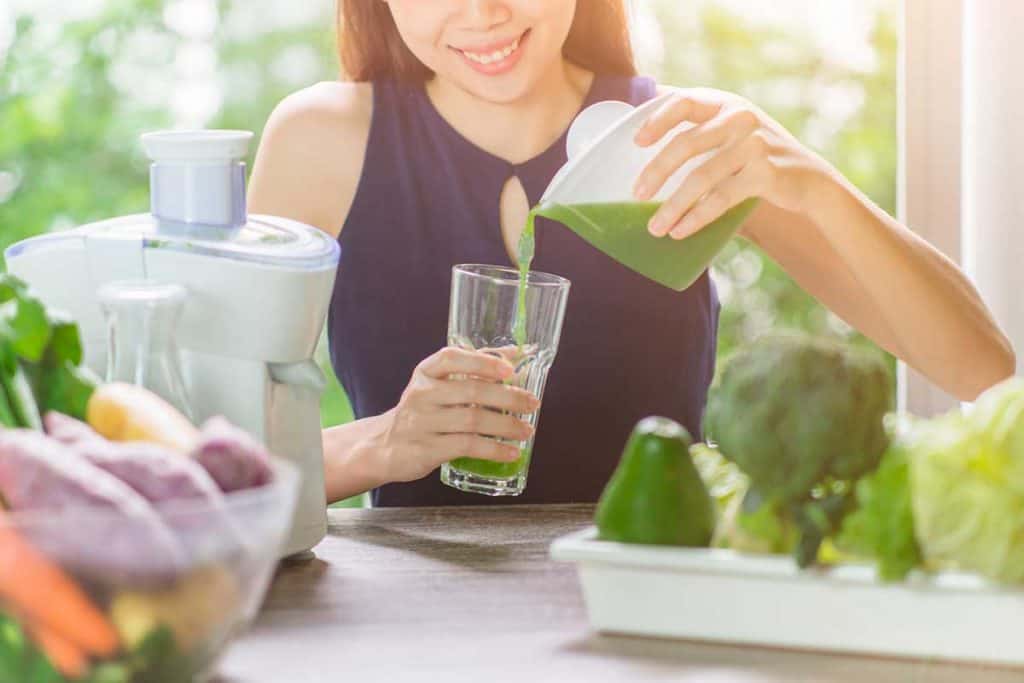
x=370 y=47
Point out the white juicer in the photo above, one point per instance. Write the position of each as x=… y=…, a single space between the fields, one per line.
x=259 y=288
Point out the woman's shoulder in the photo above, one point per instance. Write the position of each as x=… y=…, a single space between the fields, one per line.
x=314 y=139
x=325 y=105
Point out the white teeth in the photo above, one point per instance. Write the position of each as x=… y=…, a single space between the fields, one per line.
x=492 y=57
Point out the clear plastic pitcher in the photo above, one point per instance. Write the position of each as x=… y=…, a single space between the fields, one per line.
x=142 y=318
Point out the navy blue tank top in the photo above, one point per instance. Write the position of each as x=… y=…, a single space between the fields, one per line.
x=428 y=199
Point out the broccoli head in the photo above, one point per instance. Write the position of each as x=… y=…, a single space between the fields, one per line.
x=802 y=417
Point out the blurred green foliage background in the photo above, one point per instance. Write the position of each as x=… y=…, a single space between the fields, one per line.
x=80 y=81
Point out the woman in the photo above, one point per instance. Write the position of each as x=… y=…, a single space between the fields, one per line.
x=452 y=125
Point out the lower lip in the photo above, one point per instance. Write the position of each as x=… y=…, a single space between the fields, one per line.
x=502 y=66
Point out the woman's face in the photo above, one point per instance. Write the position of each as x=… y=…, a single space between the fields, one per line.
x=495 y=49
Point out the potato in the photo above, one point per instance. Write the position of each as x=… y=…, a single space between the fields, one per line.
x=124 y=412
x=193 y=609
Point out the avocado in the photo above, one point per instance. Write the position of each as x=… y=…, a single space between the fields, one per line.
x=656 y=495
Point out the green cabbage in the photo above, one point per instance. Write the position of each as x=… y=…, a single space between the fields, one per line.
x=967 y=482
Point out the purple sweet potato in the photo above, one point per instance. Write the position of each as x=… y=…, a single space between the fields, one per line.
x=68 y=430
x=234 y=459
x=89 y=521
x=157 y=473
x=164 y=478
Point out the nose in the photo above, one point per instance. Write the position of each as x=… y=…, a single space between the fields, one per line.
x=485 y=14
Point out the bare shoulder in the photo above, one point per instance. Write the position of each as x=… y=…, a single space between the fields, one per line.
x=311 y=154
x=329 y=103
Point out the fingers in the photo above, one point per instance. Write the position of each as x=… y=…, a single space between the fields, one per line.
x=719 y=132
x=723 y=197
x=447 y=447
x=484 y=394
x=691 y=107
x=473 y=420
x=704 y=180
x=454 y=361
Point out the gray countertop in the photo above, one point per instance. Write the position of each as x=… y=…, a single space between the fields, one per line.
x=469 y=594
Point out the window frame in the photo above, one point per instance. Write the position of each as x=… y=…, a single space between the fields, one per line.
x=930 y=196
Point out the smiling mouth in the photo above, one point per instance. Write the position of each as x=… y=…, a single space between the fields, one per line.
x=493 y=56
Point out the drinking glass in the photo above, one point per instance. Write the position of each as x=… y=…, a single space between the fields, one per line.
x=142 y=318
x=482 y=317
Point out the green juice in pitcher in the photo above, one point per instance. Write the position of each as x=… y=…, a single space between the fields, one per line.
x=620 y=231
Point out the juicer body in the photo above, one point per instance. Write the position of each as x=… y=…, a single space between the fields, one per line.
x=247 y=335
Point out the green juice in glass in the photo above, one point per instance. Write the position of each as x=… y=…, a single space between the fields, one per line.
x=619 y=230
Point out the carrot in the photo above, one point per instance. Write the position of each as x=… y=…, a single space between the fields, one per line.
x=66 y=657
x=47 y=596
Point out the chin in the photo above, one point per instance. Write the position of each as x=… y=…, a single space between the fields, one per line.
x=502 y=89
x=497 y=93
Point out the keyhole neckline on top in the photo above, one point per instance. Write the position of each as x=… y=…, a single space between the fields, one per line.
x=513 y=209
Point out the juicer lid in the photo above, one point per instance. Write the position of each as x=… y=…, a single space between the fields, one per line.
x=604 y=162
x=198 y=207
x=265 y=240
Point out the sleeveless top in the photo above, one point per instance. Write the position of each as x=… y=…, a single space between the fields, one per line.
x=428 y=199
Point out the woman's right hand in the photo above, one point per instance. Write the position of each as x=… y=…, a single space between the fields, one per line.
x=453 y=399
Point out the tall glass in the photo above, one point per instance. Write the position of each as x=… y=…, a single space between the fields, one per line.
x=482 y=317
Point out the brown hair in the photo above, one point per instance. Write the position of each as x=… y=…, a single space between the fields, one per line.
x=371 y=48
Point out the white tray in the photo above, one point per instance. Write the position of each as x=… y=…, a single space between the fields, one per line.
x=722 y=595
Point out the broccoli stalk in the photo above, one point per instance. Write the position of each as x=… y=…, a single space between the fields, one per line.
x=802 y=417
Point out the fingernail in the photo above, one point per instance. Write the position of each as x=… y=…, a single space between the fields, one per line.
x=641 y=192
x=641 y=137
x=657 y=225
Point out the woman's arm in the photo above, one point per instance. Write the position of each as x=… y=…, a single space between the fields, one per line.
x=351 y=465
x=843 y=249
x=889 y=283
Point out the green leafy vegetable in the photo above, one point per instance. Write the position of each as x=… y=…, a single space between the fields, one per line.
x=158 y=659
x=17 y=389
x=723 y=478
x=65 y=341
x=40 y=360
x=20 y=661
x=882 y=527
x=109 y=672
x=7 y=418
x=66 y=388
x=751 y=526
x=967 y=481
x=802 y=417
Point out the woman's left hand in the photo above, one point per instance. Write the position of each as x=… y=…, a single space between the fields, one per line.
x=752 y=156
